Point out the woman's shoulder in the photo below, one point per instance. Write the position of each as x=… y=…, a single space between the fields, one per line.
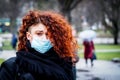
x=8 y=68
x=9 y=63
x=10 y=60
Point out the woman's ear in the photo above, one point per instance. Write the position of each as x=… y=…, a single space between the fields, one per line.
x=28 y=35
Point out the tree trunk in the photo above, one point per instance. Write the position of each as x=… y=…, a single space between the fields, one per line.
x=13 y=25
x=68 y=14
x=115 y=32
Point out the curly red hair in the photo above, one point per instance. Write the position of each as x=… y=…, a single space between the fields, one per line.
x=59 y=31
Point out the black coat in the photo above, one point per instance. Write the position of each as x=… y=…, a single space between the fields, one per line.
x=32 y=65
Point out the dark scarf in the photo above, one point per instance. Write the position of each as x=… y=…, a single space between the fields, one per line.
x=47 y=66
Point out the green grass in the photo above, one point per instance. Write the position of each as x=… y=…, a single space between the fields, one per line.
x=106 y=46
x=7 y=45
x=105 y=55
x=108 y=55
x=1 y=60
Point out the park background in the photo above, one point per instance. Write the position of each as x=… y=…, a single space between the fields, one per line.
x=101 y=16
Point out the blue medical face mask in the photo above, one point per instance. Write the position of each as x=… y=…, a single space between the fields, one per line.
x=41 y=45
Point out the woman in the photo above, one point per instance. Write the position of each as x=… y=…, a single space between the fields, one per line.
x=88 y=51
x=45 y=49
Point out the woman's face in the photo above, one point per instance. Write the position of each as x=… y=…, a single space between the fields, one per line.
x=38 y=30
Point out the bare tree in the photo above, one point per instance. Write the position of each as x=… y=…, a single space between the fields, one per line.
x=111 y=14
x=66 y=6
x=105 y=11
x=47 y=4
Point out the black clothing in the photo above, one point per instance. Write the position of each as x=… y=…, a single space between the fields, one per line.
x=32 y=65
x=8 y=70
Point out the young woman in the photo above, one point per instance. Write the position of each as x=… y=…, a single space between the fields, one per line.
x=45 y=49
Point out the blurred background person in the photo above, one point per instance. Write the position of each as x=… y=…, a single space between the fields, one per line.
x=88 y=51
x=14 y=41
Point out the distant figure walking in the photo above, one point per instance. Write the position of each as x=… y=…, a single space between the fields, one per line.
x=88 y=51
x=14 y=41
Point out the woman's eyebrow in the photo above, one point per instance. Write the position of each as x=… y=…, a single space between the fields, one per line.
x=39 y=31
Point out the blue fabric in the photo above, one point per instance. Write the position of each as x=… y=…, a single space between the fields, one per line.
x=94 y=56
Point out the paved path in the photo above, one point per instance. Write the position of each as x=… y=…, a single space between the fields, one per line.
x=102 y=70
x=5 y=54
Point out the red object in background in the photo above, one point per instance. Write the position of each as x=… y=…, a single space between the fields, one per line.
x=88 y=49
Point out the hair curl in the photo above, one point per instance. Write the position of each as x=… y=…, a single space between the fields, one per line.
x=59 y=31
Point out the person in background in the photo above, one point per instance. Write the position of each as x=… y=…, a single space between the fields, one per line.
x=88 y=51
x=45 y=51
x=14 y=41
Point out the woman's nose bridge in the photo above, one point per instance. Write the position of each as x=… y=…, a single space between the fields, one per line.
x=44 y=37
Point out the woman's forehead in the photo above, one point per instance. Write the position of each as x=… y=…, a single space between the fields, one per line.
x=38 y=27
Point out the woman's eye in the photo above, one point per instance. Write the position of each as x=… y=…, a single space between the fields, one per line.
x=39 y=34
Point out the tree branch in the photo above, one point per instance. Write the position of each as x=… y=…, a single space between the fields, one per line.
x=75 y=3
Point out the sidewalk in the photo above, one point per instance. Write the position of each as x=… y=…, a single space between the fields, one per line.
x=5 y=54
x=102 y=70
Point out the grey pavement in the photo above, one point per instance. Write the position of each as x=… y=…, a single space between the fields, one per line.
x=5 y=54
x=102 y=70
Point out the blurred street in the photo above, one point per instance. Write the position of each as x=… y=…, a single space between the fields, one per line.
x=102 y=70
